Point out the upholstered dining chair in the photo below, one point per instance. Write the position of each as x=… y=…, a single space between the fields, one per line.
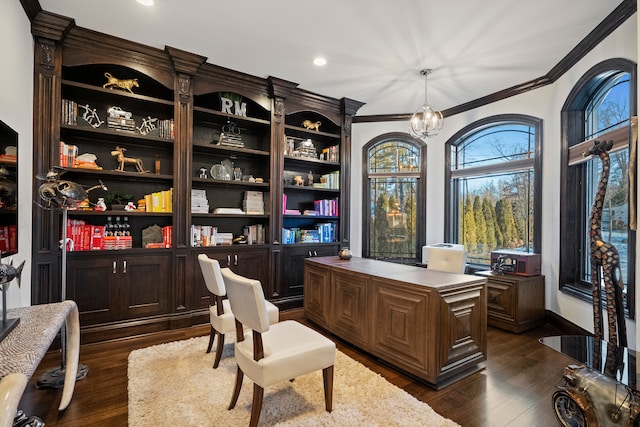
x=447 y=259
x=220 y=314
x=270 y=354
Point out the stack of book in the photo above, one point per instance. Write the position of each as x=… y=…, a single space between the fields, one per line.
x=288 y=211
x=203 y=235
x=199 y=202
x=330 y=180
x=331 y=154
x=159 y=201
x=231 y=140
x=8 y=238
x=86 y=237
x=255 y=234
x=68 y=154
x=224 y=239
x=121 y=124
x=253 y=203
x=323 y=233
x=326 y=207
x=165 y=129
x=69 y=112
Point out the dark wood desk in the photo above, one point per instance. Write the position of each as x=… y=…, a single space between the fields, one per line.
x=430 y=324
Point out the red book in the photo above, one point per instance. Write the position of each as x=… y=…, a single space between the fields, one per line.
x=13 y=238
x=86 y=237
x=97 y=241
x=4 y=239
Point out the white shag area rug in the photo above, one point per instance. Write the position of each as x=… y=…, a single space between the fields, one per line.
x=174 y=385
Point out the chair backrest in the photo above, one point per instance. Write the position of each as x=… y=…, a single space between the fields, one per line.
x=247 y=301
x=212 y=276
x=447 y=259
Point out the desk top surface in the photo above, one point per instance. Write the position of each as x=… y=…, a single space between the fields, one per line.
x=25 y=346
x=439 y=280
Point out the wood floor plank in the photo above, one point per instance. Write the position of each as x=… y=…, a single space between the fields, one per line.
x=513 y=389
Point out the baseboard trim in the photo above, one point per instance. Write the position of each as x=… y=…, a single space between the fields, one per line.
x=564 y=325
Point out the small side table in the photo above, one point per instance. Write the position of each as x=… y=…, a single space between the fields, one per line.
x=24 y=347
x=514 y=303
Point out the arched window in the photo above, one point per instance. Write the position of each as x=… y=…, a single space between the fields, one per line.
x=494 y=174
x=599 y=107
x=394 y=198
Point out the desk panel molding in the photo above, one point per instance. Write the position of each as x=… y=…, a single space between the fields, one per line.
x=429 y=324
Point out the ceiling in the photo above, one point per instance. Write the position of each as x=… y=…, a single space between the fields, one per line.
x=375 y=48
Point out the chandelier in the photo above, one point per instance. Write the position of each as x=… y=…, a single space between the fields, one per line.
x=426 y=122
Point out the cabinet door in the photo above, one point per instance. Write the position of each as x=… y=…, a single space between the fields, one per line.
x=317 y=293
x=144 y=284
x=92 y=284
x=400 y=325
x=245 y=261
x=350 y=318
x=292 y=282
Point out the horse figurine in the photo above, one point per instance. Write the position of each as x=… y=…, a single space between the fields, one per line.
x=122 y=160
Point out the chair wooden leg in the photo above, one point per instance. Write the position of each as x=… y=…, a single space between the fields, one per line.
x=257 y=405
x=236 y=390
x=212 y=335
x=327 y=377
x=219 y=349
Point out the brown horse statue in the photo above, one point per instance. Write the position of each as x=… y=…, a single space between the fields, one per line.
x=123 y=160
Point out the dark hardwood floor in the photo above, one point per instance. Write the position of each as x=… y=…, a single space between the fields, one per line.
x=514 y=389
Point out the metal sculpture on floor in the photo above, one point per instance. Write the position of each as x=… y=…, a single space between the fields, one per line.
x=7 y=274
x=62 y=194
x=605 y=261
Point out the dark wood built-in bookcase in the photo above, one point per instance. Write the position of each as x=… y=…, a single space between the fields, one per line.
x=228 y=148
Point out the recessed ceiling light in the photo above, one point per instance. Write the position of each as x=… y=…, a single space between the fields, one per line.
x=146 y=2
x=319 y=61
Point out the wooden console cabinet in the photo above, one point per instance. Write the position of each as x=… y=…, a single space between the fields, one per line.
x=430 y=324
x=514 y=303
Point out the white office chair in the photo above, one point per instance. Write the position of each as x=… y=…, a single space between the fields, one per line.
x=220 y=315
x=447 y=259
x=274 y=353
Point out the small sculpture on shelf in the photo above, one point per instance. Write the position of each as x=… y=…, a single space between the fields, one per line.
x=308 y=124
x=147 y=125
x=297 y=180
x=120 y=120
x=123 y=160
x=100 y=206
x=90 y=116
x=60 y=194
x=126 y=84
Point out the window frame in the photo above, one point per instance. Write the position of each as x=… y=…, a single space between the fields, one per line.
x=421 y=216
x=573 y=132
x=450 y=225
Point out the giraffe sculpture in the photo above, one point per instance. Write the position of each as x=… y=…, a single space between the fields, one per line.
x=605 y=260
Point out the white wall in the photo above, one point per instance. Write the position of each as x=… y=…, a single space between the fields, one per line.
x=545 y=103
x=16 y=86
